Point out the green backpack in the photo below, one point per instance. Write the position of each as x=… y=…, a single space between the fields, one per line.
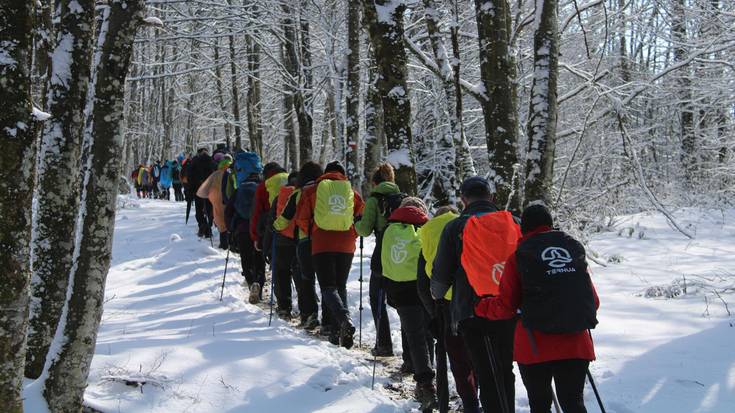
x=335 y=205
x=400 y=252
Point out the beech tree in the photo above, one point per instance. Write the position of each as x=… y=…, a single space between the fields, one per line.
x=17 y=137
x=59 y=173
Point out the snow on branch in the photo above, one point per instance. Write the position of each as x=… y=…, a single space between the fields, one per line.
x=39 y=115
x=153 y=21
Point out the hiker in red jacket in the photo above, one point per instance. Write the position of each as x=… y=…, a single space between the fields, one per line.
x=274 y=176
x=551 y=337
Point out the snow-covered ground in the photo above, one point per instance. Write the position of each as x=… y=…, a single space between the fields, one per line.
x=164 y=324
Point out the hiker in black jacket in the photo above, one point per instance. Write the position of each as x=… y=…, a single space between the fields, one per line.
x=489 y=343
x=200 y=167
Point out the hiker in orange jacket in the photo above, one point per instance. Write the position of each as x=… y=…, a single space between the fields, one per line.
x=326 y=212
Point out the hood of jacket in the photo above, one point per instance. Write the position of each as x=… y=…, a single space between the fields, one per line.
x=332 y=176
x=385 y=188
x=409 y=215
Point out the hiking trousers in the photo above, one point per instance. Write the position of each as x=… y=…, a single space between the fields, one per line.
x=285 y=263
x=476 y=333
x=460 y=365
x=378 y=308
x=253 y=265
x=178 y=195
x=332 y=270
x=415 y=330
x=204 y=215
x=569 y=376
x=306 y=284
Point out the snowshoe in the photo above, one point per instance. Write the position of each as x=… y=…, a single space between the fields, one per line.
x=254 y=297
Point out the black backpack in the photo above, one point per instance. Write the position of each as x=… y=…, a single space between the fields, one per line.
x=557 y=289
x=387 y=203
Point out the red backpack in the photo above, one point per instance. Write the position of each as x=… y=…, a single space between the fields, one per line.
x=487 y=242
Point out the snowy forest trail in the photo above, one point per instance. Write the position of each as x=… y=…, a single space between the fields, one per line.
x=164 y=324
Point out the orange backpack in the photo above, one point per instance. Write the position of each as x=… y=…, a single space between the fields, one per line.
x=283 y=195
x=487 y=242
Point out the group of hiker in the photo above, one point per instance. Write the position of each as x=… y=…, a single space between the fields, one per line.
x=159 y=178
x=479 y=287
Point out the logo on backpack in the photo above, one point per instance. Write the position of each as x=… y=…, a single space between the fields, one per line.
x=497 y=273
x=337 y=204
x=398 y=253
x=557 y=258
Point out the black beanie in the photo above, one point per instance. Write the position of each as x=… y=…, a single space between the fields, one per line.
x=335 y=167
x=535 y=216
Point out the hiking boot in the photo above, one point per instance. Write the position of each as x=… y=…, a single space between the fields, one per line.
x=326 y=330
x=382 y=352
x=285 y=315
x=254 y=293
x=334 y=336
x=311 y=322
x=425 y=394
x=406 y=369
x=347 y=335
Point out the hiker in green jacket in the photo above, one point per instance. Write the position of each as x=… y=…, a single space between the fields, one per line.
x=384 y=198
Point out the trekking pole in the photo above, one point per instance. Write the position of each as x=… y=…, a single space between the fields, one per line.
x=377 y=333
x=359 y=340
x=273 y=277
x=594 y=388
x=557 y=409
x=499 y=379
x=442 y=381
x=592 y=382
x=224 y=276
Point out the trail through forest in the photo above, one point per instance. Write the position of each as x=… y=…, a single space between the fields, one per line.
x=164 y=325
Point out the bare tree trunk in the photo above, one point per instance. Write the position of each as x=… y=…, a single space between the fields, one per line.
x=235 y=93
x=43 y=38
x=58 y=185
x=465 y=163
x=688 y=138
x=303 y=98
x=220 y=93
x=352 y=119
x=374 y=138
x=17 y=138
x=290 y=150
x=542 y=109
x=255 y=126
x=386 y=37
x=69 y=369
x=498 y=72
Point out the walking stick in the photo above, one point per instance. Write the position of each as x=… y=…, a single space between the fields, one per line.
x=273 y=277
x=594 y=388
x=377 y=329
x=592 y=382
x=442 y=381
x=498 y=375
x=224 y=276
x=359 y=340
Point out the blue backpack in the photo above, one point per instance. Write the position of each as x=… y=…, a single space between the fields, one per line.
x=246 y=164
x=245 y=198
x=167 y=175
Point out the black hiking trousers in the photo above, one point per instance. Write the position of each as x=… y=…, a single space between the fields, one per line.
x=416 y=333
x=378 y=308
x=253 y=264
x=332 y=270
x=569 y=376
x=204 y=216
x=497 y=358
x=306 y=284
x=285 y=270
